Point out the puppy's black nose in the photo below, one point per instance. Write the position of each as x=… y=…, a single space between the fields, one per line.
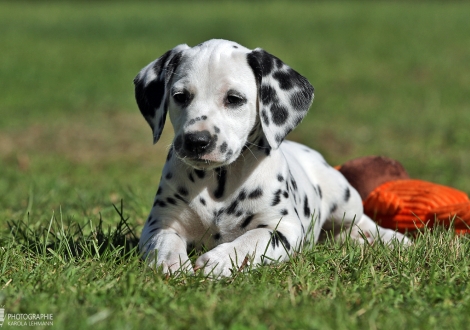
x=197 y=143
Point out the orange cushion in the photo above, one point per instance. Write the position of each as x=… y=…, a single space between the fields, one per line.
x=411 y=204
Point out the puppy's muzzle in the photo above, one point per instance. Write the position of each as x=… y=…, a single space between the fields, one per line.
x=197 y=144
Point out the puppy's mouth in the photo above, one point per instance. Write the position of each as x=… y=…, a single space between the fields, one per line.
x=200 y=150
x=202 y=162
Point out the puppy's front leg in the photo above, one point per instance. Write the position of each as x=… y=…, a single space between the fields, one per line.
x=260 y=245
x=166 y=248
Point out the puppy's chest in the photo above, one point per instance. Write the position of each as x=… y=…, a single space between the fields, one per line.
x=223 y=204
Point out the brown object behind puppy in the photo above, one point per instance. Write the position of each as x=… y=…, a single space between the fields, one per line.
x=367 y=173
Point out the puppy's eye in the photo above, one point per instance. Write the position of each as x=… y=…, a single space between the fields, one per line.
x=182 y=97
x=234 y=100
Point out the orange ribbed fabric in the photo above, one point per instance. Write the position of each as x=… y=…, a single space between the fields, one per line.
x=411 y=204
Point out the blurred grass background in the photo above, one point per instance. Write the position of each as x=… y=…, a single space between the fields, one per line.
x=391 y=78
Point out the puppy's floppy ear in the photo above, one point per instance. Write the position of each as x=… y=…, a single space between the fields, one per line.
x=151 y=92
x=284 y=95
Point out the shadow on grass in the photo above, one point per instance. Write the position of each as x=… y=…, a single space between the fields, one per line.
x=74 y=241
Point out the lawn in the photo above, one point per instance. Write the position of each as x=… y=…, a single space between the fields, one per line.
x=79 y=171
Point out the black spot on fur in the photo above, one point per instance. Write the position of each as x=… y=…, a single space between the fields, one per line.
x=258 y=192
x=217 y=214
x=267 y=62
x=277 y=198
x=242 y=195
x=223 y=147
x=239 y=213
x=177 y=196
x=159 y=191
x=217 y=236
x=203 y=201
x=183 y=191
x=233 y=207
x=229 y=154
x=284 y=212
x=300 y=100
x=261 y=226
x=347 y=194
x=333 y=207
x=268 y=95
x=315 y=189
x=279 y=114
x=169 y=175
x=200 y=173
x=153 y=230
x=293 y=183
x=284 y=240
x=153 y=222
x=279 y=138
x=159 y=203
x=280 y=178
x=191 y=178
x=171 y=200
x=319 y=191
x=204 y=117
x=216 y=129
x=221 y=180
x=285 y=194
x=277 y=237
x=247 y=221
x=285 y=79
x=306 y=207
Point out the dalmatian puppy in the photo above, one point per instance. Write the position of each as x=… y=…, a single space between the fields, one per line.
x=231 y=185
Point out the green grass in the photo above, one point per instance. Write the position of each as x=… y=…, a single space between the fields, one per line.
x=97 y=280
x=390 y=79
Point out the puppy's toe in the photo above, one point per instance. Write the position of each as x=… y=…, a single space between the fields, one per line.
x=215 y=264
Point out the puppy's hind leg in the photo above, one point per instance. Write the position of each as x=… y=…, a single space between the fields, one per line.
x=365 y=229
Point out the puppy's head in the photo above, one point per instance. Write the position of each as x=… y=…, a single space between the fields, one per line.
x=215 y=94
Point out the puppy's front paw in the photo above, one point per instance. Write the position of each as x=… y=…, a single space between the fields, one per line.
x=174 y=265
x=222 y=261
x=390 y=237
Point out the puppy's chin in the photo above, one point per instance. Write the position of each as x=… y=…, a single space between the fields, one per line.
x=205 y=162
x=201 y=164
